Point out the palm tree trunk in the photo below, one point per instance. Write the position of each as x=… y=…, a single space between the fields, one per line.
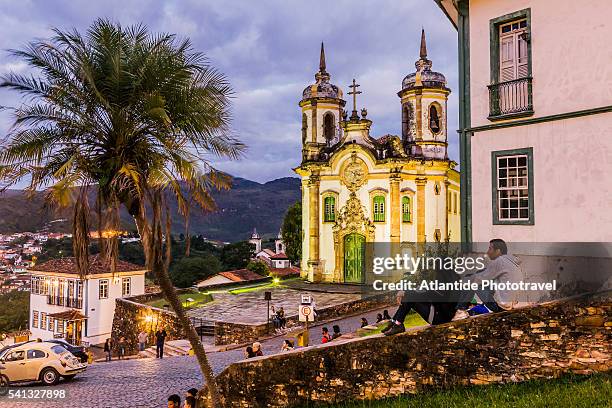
x=187 y=233
x=152 y=243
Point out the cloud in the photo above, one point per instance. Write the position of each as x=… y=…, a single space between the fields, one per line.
x=269 y=51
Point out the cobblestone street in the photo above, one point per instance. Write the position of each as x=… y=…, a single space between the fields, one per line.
x=149 y=382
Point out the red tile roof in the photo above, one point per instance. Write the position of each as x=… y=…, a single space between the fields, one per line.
x=280 y=255
x=241 y=275
x=97 y=266
x=285 y=272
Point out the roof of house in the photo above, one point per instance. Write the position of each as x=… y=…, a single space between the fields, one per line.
x=284 y=272
x=241 y=275
x=280 y=255
x=97 y=266
x=68 y=315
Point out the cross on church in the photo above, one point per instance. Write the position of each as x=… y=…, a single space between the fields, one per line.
x=354 y=92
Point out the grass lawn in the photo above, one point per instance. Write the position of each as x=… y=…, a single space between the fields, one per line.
x=198 y=299
x=412 y=320
x=570 y=391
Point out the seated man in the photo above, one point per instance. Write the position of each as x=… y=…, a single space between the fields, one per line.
x=503 y=267
x=439 y=307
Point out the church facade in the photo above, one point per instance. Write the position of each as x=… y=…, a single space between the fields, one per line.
x=357 y=188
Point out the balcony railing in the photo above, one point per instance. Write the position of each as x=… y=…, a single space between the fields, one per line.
x=65 y=301
x=510 y=98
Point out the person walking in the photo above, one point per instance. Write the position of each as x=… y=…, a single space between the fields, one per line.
x=174 y=401
x=121 y=347
x=160 y=339
x=143 y=337
x=108 y=349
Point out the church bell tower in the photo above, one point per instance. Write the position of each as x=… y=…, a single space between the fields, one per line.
x=322 y=106
x=424 y=101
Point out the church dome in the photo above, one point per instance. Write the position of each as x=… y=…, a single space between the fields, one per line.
x=322 y=88
x=424 y=76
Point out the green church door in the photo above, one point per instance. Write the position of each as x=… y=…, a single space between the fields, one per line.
x=354 y=258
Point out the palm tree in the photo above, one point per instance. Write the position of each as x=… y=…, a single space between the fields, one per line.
x=132 y=118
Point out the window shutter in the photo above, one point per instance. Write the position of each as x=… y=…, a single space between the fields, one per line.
x=523 y=57
x=507 y=63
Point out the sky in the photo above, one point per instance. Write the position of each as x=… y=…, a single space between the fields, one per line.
x=269 y=51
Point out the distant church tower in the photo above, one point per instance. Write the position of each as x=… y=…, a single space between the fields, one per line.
x=322 y=106
x=424 y=95
x=279 y=244
x=256 y=240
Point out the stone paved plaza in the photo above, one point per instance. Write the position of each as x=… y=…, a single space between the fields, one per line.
x=251 y=308
x=149 y=382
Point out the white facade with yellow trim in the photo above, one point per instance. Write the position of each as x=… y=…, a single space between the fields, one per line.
x=358 y=189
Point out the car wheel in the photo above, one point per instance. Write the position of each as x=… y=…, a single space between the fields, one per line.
x=69 y=377
x=49 y=376
x=4 y=385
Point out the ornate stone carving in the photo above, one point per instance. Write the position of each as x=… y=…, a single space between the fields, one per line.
x=354 y=174
x=351 y=219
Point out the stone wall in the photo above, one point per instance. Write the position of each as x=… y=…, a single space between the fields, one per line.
x=571 y=335
x=237 y=333
x=131 y=318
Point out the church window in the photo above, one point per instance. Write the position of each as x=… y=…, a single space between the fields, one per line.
x=407 y=118
x=434 y=119
x=406 y=213
x=329 y=209
x=329 y=131
x=379 y=208
x=304 y=127
x=513 y=186
x=437 y=188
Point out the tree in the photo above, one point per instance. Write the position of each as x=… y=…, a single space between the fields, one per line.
x=134 y=117
x=259 y=267
x=188 y=270
x=292 y=232
x=15 y=311
x=237 y=255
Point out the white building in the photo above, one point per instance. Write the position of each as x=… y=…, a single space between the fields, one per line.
x=535 y=117
x=80 y=310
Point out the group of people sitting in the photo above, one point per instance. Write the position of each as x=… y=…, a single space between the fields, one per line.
x=174 y=401
x=437 y=308
x=278 y=318
x=253 y=350
x=327 y=337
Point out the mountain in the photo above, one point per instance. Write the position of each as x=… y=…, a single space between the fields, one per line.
x=245 y=206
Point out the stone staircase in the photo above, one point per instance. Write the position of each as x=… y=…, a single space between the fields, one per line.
x=171 y=348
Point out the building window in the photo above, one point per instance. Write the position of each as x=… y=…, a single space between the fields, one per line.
x=379 y=208
x=51 y=324
x=512 y=172
x=510 y=91
x=304 y=128
x=43 y=320
x=329 y=126
x=406 y=213
x=103 y=289
x=455 y=201
x=126 y=286
x=35 y=318
x=329 y=209
x=407 y=122
x=434 y=119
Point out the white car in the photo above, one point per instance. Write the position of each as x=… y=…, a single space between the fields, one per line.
x=39 y=361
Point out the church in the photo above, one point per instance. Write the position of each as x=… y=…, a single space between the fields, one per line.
x=357 y=188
